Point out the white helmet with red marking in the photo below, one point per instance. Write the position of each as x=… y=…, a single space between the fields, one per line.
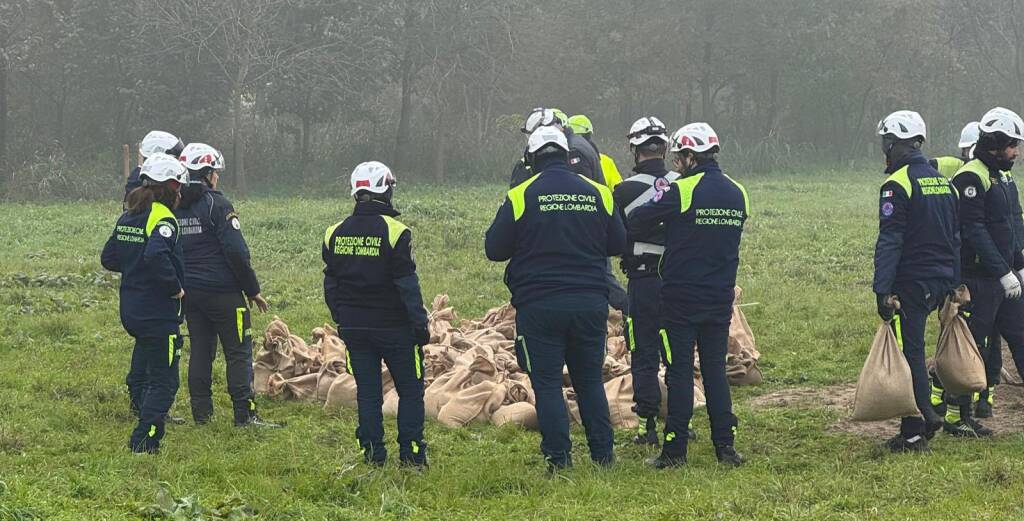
x=372 y=176
x=696 y=137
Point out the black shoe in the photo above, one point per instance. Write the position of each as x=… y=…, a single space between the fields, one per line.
x=983 y=409
x=664 y=461
x=959 y=429
x=979 y=429
x=556 y=465
x=727 y=455
x=649 y=438
x=256 y=422
x=898 y=444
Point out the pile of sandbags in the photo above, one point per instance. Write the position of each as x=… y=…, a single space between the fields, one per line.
x=470 y=372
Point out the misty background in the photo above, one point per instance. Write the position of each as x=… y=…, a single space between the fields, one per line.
x=296 y=92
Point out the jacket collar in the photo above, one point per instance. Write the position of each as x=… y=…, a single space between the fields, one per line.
x=374 y=208
x=914 y=157
x=707 y=167
x=655 y=167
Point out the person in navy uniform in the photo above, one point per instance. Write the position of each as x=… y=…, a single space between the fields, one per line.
x=557 y=230
x=992 y=228
x=916 y=258
x=218 y=278
x=649 y=142
x=155 y=142
x=703 y=212
x=373 y=292
x=145 y=250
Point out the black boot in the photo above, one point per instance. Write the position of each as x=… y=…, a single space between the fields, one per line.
x=557 y=462
x=727 y=455
x=673 y=453
x=899 y=443
x=245 y=416
x=647 y=433
x=414 y=456
x=986 y=399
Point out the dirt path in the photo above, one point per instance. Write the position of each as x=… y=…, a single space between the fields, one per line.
x=1008 y=417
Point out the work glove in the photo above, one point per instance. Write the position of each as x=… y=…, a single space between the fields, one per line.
x=422 y=336
x=887 y=305
x=1011 y=285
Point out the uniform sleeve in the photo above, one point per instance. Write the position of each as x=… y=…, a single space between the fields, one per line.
x=893 y=205
x=109 y=258
x=1018 y=229
x=654 y=212
x=972 y=224
x=330 y=282
x=228 y=228
x=157 y=257
x=500 y=240
x=403 y=266
x=616 y=234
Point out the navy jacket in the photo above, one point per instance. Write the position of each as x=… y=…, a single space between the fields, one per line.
x=557 y=230
x=990 y=220
x=918 y=234
x=704 y=213
x=370 y=277
x=644 y=250
x=216 y=255
x=144 y=248
x=132 y=182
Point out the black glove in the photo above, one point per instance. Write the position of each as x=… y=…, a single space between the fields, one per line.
x=422 y=336
x=885 y=307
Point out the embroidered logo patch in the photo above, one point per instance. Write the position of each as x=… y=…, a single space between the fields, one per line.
x=886 y=194
x=970 y=192
x=235 y=224
x=887 y=209
x=165 y=231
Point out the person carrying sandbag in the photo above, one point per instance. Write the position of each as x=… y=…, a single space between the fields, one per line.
x=557 y=230
x=917 y=258
x=373 y=292
x=704 y=213
x=993 y=233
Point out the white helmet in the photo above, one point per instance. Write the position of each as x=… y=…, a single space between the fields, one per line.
x=539 y=117
x=160 y=142
x=372 y=176
x=903 y=124
x=1002 y=121
x=646 y=128
x=160 y=168
x=969 y=135
x=546 y=136
x=198 y=156
x=696 y=137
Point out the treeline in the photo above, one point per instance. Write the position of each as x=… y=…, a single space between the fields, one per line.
x=297 y=91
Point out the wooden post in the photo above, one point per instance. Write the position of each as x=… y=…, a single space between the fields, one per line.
x=126 y=160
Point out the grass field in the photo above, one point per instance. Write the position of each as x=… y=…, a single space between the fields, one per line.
x=806 y=258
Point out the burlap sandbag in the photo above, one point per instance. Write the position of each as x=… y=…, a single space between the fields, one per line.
x=331 y=348
x=325 y=378
x=957 y=361
x=741 y=370
x=342 y=392
x=301 y=387
x=473 y=404
x=443 y=389
x=619 y=392
x=390 y=406
x=523 y=414
x=884 y=389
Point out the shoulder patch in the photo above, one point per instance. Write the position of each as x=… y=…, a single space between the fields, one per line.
x=165 y=231
x=970 y=192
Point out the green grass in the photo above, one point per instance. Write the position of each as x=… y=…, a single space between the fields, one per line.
x=806 y=258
